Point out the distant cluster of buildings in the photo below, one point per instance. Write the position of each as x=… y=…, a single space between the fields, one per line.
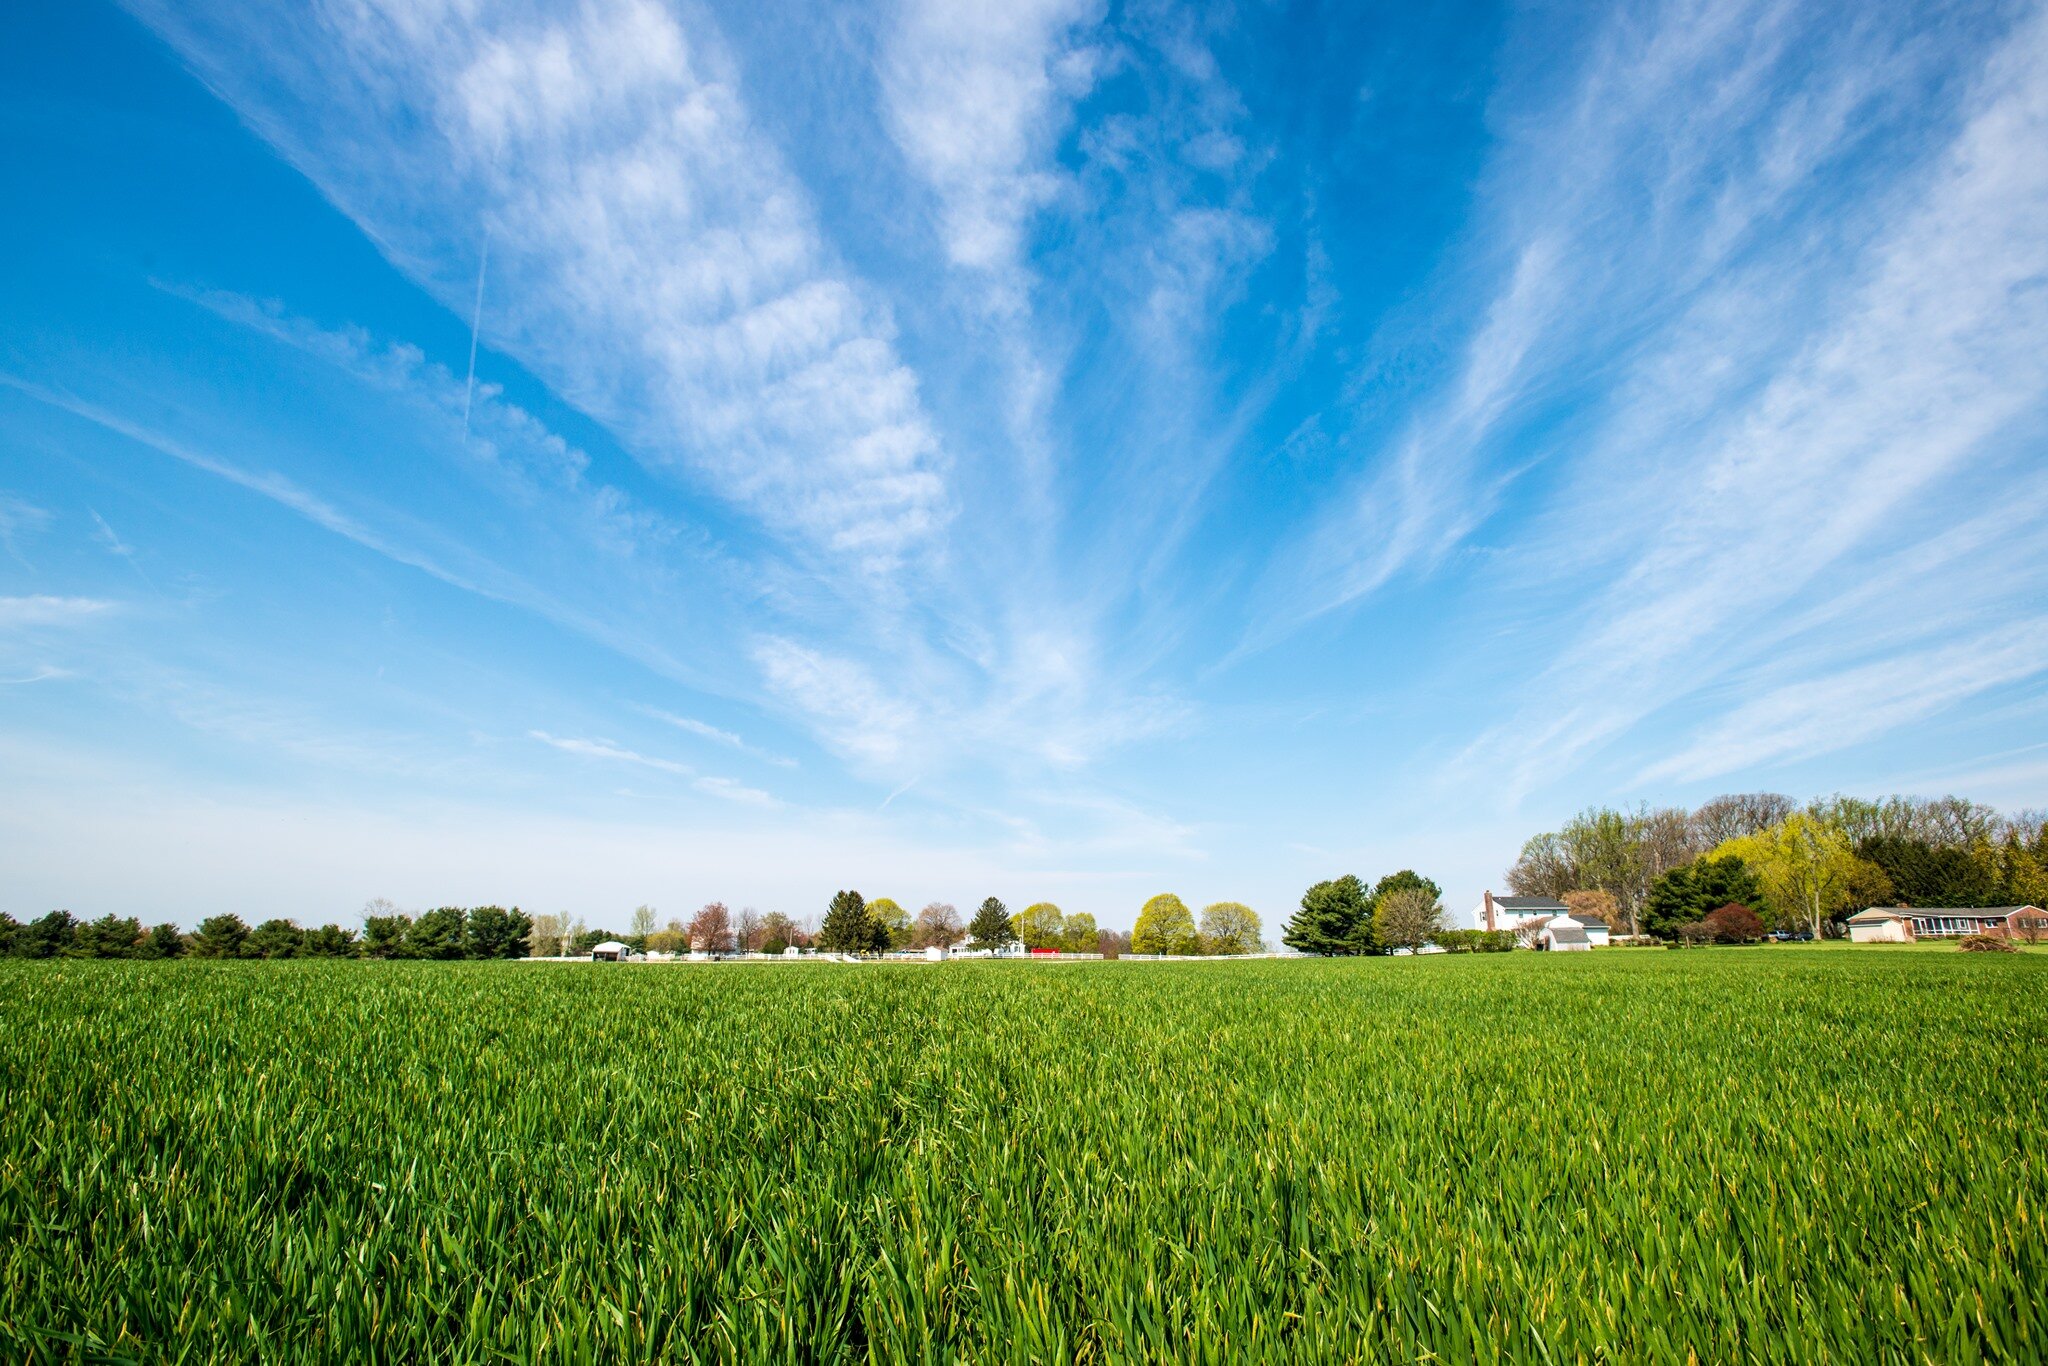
x=1555 y=927
x=1551 y=923
x=1906 y=924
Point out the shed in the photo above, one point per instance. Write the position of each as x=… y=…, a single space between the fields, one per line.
x=1564 y=935
x=610 y=951
x=1881 y=925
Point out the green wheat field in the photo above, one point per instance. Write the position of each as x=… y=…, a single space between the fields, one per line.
x=1781 y=1153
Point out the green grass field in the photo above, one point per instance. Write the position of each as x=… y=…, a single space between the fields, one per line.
x=1721 y=1156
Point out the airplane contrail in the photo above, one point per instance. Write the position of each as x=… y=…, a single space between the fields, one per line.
x=476 y=319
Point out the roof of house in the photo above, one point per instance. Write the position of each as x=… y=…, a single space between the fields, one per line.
x=1590 y=922
x=1565 y=930
x=608 y=946
x=1876 y=913
x=1528 y=903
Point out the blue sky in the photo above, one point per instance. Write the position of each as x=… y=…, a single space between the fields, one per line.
x=1057 y=450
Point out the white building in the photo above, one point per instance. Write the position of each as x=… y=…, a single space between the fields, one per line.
x=610 y=951
x=1513 y=912
x=1565 y=934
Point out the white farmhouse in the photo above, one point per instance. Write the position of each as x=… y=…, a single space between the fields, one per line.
x=1513 y=912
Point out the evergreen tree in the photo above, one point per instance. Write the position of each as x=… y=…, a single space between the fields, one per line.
x=330 y=941
x=991 y=926
x=494 y=932
x=1335 y=919
x=275 y=939
x=1688 y=892
x=165 y=941
x=384 y=936
x=220 y=936
x=440 y=933
x=848 y=927
x=110 y=936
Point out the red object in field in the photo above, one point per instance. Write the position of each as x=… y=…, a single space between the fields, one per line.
x=1052 y=953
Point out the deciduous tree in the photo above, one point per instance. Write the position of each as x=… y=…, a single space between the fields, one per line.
x=643 y=922
x=1596 y=905
x=1165 y=925
x=894 y=920
x=1408 y=918
x=1733 y=923
x=711 y=928
x=938 y=926
x=778 y=932
x=1230 y=927
x=1079 y=935
x=1806 y=868
x=1040 y=925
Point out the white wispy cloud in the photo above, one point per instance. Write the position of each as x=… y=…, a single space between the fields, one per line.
x=652 y=256
x=20 y=518
x=976 y=95
x=730 y=739
x=1690 y=128
x=529 y=462
x=451 y=561
x=730 y=790
x=46 y=610
x=710 y=784
x=1835 y=452
x=855 y=714
x=605 y=749
x=1821 y=714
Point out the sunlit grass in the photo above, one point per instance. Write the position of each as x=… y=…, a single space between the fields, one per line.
x=1778 y=1153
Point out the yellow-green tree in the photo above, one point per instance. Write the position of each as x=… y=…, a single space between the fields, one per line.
x=892 y=918
x=1079 y=934
x=1230 y=927
x=1165 y=925
x=1040 y=925
x=1807 y=868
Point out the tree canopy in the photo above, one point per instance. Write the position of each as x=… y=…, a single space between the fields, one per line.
x=1335 y=919
x=1407 y=916
x=1165 y=925
x=1687 y=893
x=1040 y=926
x=848 y=927
x=1230 y=927
x=991 y=926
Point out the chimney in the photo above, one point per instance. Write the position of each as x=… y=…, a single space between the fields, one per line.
x=1489 y=910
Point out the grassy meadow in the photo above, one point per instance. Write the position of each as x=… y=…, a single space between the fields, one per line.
x=1777 y=1153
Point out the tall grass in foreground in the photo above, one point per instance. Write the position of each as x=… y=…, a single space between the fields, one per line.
x=1721 y=1156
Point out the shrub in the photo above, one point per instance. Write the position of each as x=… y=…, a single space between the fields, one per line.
x=1476 y=941
x=1734 y=923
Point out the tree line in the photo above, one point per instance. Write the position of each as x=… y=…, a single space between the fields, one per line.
x=1747 y=864
x=1344 y=917
x=447 y=932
